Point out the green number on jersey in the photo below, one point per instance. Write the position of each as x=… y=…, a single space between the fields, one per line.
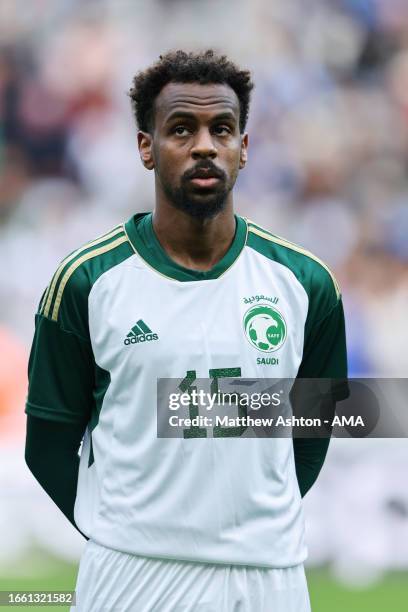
x=186 y=384
x=218 y=431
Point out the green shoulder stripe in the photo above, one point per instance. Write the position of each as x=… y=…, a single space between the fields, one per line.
x=50 y=294
x=78 y=262
x=262 y=233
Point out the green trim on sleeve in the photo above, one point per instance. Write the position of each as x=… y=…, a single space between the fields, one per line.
x=313 y=275
x=64 y=380
x=50 y=414
x=47 y=303
x=61 y=374
x=324 y=349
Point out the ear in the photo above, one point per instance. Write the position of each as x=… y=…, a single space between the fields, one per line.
x=145 y=144
x=244 y=151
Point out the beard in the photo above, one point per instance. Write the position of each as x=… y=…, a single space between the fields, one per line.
x=199 y=202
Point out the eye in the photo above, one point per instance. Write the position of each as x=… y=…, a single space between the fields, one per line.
x=180 y=130
x=222 y=130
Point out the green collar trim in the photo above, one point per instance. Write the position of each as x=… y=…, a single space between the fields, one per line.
x=141 y=234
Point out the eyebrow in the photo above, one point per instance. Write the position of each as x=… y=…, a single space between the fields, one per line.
x=179 y=114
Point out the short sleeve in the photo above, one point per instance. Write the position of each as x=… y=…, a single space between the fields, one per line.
x=325 y=353
x=60 y=373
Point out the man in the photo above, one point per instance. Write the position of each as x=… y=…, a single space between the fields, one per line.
x=202 y=522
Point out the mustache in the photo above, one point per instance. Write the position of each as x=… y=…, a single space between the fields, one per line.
x=207 y=166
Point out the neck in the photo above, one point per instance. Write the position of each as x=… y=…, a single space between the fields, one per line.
x=197 y=244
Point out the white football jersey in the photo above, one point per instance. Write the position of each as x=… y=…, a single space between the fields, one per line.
x=118 y=315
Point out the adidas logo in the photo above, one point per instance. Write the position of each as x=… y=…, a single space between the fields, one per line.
x=140 y=333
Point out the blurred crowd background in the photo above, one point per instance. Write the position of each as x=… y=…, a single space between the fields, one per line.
x=328 y=169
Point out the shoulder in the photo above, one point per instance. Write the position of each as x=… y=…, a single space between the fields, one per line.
x=73 y=279
x=314 y=275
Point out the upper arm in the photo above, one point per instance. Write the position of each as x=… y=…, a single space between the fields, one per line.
x=61 y=367
x=324 y=352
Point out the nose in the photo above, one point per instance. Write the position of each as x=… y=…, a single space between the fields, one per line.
x=203 y=146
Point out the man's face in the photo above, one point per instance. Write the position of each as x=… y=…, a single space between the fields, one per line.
x=196 y=148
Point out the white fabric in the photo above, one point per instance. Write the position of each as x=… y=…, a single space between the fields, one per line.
x=216 y=500
x=111 y=581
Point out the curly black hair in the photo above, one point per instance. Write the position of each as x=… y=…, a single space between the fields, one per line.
x=181 y=67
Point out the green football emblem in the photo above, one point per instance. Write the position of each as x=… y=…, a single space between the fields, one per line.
x=265 y=328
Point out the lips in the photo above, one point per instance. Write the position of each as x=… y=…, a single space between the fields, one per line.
x=208 y=181
x=205 y=177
